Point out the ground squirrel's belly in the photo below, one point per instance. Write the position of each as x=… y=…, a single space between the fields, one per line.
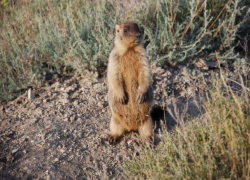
x=132 y=114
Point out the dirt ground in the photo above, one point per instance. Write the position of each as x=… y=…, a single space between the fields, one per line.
x=62 y=132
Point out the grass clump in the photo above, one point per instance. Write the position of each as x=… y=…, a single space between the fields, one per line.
x=215 y=146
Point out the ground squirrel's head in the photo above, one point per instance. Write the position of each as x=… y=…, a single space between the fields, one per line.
x=128 y=35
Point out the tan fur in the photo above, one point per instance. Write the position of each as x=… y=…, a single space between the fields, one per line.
x=130 y=93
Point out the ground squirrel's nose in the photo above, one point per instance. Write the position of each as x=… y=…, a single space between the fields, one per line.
x=138 y=36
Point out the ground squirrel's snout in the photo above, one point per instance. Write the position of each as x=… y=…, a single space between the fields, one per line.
x=138 y=39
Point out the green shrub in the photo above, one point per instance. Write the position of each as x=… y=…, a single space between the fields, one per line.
x=50 y=37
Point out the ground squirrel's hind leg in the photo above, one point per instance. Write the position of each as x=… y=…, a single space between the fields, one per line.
x=146 y=130
x=116 y=131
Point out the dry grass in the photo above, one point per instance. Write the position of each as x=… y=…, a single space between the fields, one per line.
x=213 y=146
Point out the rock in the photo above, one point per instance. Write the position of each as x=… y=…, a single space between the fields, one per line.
x=14 y=151
x=72 y=118
x=76 y=103
x=71 y=88
x=66 y=119
x=190 y=92
x=158 y=71
x=100 y=104
x=164 y=85
x=31 y=94
x=65 y=101
x=205 y=65
x=9 y=158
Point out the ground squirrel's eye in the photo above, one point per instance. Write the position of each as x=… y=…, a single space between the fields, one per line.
x=125 y=30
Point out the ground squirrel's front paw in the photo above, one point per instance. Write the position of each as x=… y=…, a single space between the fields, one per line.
x=112 y=139
x=141 y=97
x=122 y=99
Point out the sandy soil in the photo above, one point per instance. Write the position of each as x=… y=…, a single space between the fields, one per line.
x=62 y=132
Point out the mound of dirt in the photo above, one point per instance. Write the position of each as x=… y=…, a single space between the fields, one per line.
x=62 y=132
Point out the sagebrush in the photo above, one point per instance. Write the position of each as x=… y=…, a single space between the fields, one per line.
x=46 y=39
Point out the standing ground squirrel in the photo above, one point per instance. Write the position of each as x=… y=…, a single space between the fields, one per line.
x=130 y=92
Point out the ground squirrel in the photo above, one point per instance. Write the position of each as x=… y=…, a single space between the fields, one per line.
x=130 y=92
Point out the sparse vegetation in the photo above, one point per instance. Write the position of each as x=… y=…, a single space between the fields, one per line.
x=213 y=146
x=46 y=39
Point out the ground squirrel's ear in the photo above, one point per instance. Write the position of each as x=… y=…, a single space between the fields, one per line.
x=117 y=28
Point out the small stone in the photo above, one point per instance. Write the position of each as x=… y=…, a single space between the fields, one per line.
x=164 y=85
x=129 y=141
x=14 y=151
x=66 y=119
x=31 y=94
x=56 y=160
x=168 y=73
x=190 y=92
x=128 y=157
x=100 y=104
x=96 y=75
x=72 y=118
x=65 y=101
x=9 y=158
x=158 y=70
x=76 y=103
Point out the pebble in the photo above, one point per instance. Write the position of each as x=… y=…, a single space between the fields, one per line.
x=9 y=158
x=72 y=118
x=65 y=101
x=14 y=151
x=158 y=71
x=100 y=104
x=76 y=103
